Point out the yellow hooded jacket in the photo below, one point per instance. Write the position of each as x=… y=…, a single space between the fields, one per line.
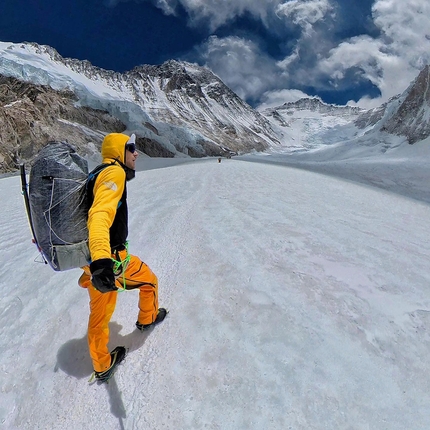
x=107 y=217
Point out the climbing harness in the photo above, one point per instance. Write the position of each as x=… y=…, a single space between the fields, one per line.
x=120 y=266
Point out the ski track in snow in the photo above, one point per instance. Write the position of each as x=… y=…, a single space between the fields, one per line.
x=296 y=300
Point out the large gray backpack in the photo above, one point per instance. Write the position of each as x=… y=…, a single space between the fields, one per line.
x=58 y=198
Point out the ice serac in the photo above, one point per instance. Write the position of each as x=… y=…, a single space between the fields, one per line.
x=31 y=115
x=309 y=122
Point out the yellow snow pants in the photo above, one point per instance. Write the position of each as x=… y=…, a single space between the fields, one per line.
x=102 y=305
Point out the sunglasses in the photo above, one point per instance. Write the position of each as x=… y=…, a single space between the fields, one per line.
x=131 y=147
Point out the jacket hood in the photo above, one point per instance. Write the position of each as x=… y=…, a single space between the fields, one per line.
x=113 y=147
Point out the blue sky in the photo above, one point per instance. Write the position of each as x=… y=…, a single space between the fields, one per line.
x=267 y=51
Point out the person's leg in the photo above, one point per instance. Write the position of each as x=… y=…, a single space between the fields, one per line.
x=139 y=275
x=102 y=306
x=148 y=302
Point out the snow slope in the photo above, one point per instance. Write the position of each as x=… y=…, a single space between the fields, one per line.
x=390 y=163
x=297 y=300
x=309 y=123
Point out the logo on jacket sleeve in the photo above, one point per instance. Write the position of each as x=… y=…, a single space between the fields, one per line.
x=111 y=185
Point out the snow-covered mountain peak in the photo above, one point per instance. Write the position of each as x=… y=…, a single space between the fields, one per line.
x=309 y=122
x=407 y=114
x=412 y=116
x=178 y=109
x=315 y=104
x=31 y=48
x=179 y=106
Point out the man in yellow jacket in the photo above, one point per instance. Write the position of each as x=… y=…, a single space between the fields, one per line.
x=112 y=268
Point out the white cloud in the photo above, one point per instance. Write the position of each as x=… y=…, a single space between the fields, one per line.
x=241 y=65
x=358 y=51
x=247 y=69
x=392 y=60
x=387 y=71
x=167 y=6
x=277 y=98
x=406 y=24
x=215 y=12
x=305 y=13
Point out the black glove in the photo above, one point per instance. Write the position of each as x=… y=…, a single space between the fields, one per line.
x=102 y=277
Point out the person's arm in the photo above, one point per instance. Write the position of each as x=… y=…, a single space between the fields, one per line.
x=108 y=190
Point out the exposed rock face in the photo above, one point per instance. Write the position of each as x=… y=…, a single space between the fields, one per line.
x=186 y=95
x=152 y=148
x=412 y=117
x=406 y=115
x=371 y=117
x=31 y=115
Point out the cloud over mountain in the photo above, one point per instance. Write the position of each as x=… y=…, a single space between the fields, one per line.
x=384 y=47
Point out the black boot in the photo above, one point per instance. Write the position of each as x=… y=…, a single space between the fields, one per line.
x=117 y=355
x=160 y=317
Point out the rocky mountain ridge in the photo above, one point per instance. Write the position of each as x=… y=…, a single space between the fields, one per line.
x=175 y=109
x=309 y=122
x=315 y=104
x=407 y=114
x=31 y=115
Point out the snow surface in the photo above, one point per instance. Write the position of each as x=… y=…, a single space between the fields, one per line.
x=297 y=301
